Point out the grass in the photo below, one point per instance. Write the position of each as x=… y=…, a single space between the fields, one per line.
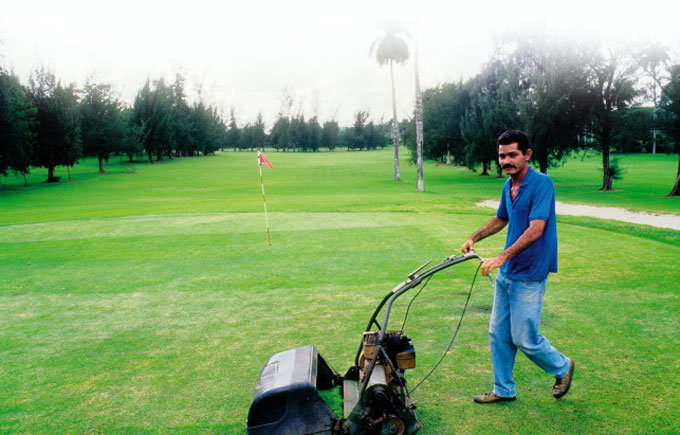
x=146 y=300
x=647 y=179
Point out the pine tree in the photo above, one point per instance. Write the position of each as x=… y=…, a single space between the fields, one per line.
x=102 y=125
x=17 y=126
x=58 y=131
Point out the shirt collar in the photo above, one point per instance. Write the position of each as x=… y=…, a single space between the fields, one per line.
x=527 y=177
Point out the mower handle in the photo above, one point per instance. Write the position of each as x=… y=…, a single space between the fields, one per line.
x=488 y=275
x=414 y=279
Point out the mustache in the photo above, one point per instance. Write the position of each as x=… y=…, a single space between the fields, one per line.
x=508 y=166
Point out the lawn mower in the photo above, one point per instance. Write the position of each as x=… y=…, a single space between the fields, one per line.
x=376 y=399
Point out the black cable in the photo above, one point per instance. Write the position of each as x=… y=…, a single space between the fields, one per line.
x=413 y=299
x=454 y=334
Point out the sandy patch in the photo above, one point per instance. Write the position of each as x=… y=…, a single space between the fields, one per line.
x=619 y=214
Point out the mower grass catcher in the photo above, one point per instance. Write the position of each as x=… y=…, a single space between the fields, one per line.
x=376 y=400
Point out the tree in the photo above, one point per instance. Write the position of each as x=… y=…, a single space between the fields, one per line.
x=407 y=130
x=233 y=139
x=17 y=126
x=420 y=184
x=280 y=134
x=443 y=110
x=299 y=134
x=384 y=129
x=388 y=49
x=181 y=125
x=314 y=131
x=102 y=126
x=132 y=143
x=329 y=135
x=492 y=109
x=164 y=133
x=480 y=147
x=58 y=132
x=373 y=135
x=357 y=134
x=652 y=58
x=670 y=101
x=152 y=112
x=258 y=132
x=282 y=130
x=611 y=88
x=553 y=94
x=247 y=138
x=208 y=130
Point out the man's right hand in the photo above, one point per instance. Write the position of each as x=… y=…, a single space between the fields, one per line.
x=468 y=246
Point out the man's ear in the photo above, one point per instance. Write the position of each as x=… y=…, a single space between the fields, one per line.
x=527 y=155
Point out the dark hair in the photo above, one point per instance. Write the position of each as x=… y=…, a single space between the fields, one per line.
x=511 y=136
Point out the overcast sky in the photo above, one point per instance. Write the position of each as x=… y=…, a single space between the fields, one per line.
x=244 y=54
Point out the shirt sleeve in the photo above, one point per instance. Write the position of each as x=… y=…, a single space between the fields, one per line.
x=502 y=212
x=542 y=200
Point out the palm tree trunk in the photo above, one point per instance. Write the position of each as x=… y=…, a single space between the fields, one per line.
x=395 y=128
x=420 y=185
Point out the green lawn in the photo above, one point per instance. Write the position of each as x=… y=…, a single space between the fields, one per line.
x=147 y=300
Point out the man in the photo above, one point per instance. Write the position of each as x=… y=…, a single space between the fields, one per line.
x=528 y=208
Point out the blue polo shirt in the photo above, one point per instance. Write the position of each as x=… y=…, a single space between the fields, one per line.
x=535 y=200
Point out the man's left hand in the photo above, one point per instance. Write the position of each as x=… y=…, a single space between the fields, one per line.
x=490 y=264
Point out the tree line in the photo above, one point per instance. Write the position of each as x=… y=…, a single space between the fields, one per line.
x=294 y=133
x=565 y=95
x=46 y=124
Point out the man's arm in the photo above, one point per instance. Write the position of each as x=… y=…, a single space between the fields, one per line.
x=494 y=225
x=529 y=236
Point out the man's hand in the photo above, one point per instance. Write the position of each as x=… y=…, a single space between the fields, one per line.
x=468 y=246
x=491 y=264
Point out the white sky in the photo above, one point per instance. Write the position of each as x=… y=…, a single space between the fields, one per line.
x=245 y=53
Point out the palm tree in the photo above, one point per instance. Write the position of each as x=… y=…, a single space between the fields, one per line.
x=390 y=48
x=420 y=184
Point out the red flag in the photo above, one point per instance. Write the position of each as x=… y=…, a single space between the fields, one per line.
x=262 y=160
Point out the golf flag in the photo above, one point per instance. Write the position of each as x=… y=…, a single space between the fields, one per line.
x=262 y=160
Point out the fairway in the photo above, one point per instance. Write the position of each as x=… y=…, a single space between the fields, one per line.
x=146 y=300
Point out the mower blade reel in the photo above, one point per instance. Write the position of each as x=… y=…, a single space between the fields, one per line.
x=286 y=399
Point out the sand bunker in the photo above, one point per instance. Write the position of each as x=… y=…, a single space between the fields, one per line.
x=619 y=214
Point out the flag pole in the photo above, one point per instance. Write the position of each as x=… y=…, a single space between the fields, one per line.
x=266 y=219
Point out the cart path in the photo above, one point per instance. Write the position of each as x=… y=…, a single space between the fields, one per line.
x=659 y=220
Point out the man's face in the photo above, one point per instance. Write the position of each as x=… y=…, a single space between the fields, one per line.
x=511 y=158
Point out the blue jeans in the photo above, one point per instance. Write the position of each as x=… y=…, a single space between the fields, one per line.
x=515 y=318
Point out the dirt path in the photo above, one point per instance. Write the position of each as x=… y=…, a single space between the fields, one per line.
x=619 y=214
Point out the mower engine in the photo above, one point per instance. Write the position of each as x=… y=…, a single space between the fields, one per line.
x=376 y=402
